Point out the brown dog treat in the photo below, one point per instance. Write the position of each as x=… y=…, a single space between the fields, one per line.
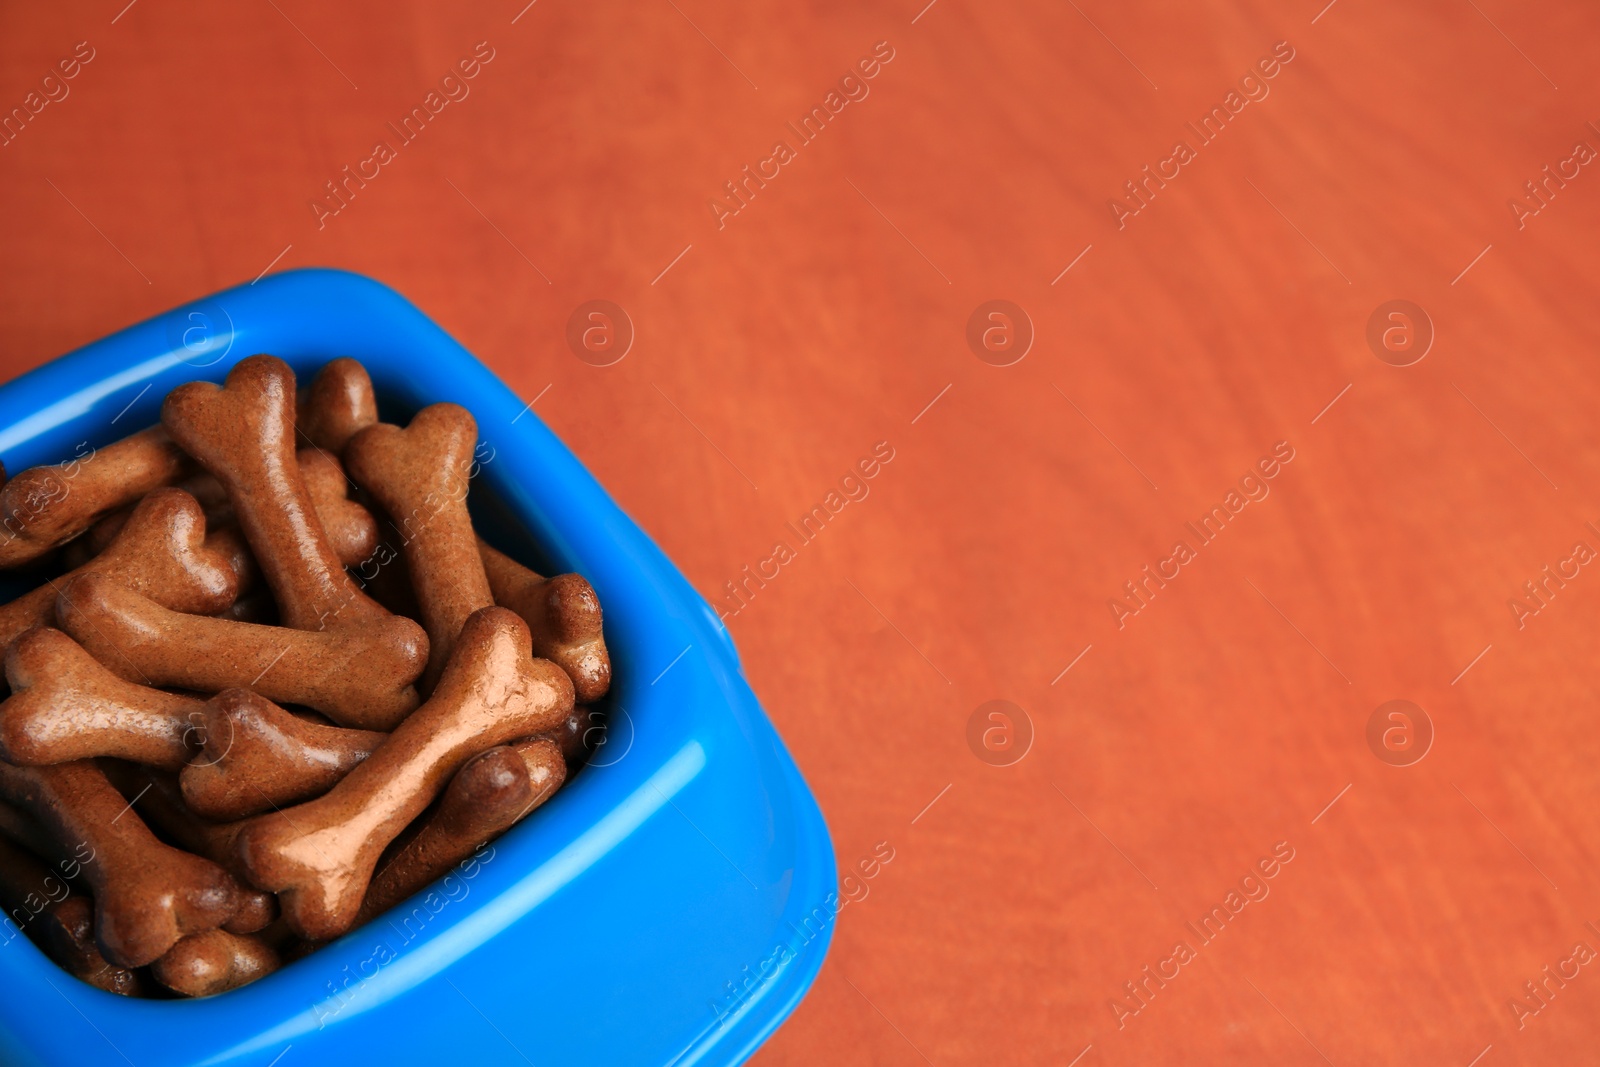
x=258 y=757
x=65 y=706
x=45 y=506
x=545 y=765
x=419 y=476
x=564 y=615
x=486 y=796
x=489 y=793
x=66 y=935
x=227 y=541
x=319 y=856
x=255 y=912
x=203 y=965
x=156 y=797
x=351 y=530
x=243 y=434
x=40 y=903
x=579 y=736
x=359 y=678
x=541 y=764
x=147 y=894
x=338 y=405
x=160 y=552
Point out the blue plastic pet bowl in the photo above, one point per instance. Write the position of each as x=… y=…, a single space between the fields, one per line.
x=670 y=906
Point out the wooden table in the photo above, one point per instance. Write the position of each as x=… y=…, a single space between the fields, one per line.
x=1218 y=319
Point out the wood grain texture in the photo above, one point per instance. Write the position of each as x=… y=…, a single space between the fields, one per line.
x=827 y=313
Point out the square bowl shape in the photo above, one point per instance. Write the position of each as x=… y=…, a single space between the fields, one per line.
x=670 y=906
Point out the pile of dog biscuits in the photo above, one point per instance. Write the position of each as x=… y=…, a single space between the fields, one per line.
x=270 y=681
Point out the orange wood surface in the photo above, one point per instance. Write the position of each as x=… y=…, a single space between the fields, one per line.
x=778 y=345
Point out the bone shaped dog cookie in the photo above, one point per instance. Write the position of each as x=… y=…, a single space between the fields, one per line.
x=44 y=506
x=203 y=965
x=490 y=793
x=41 y=904
x=360 y=678
x=351 y=530
x=320 y=855
x=67 y=937
x=243 y=434
x=147 y=895
x=156 y=797
x=419 y=475
x=258 y=757
x=223 y=535
x=564 y=615
x=228 y=543
x=578 y=737
x=338 y=405
x=160 y=552
x=65 y=706
x=546 y=767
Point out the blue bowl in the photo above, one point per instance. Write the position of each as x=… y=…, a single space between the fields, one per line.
x=670 y=906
